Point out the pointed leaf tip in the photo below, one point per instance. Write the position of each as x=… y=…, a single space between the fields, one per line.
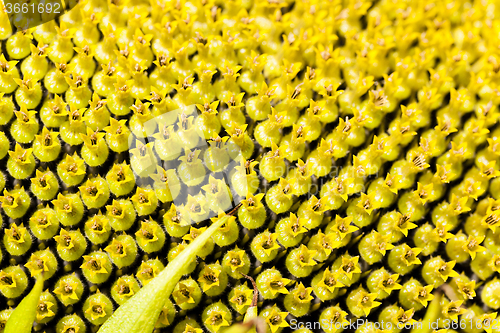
x=23 y=317
x=140 y=313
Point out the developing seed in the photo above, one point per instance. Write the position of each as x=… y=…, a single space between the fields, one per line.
x=94 y=264
x=7 y=280
x=97 y=309
x=388 y=282
x=276 y=284
x=143 y=199
x=124 y=290
x=147 y=234
x=68 y=289
x=275 y=320
x=241 y=299
x=348 y=268
x=330 y=281
x=211 y=277
x=92 y=190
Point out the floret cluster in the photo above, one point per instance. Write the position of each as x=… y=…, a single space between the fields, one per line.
x=367 y=141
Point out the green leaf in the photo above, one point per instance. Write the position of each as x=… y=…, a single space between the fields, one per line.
x=431 y=315
x=252 y=323
x=140 y=313
x=252 y=310
x=23 y=317
x=240 y=328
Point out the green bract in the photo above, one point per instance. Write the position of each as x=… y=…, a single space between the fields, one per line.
x=21 y=320
x=135 y=315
